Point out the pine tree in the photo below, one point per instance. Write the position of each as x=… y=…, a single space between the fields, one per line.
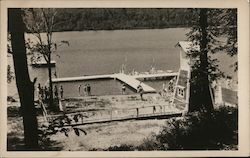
x=206 y=37
x=200 y=97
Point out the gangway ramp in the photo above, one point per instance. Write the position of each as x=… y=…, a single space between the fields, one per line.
x=134 y=83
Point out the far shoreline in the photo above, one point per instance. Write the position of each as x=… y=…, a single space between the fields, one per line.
x=125 y=29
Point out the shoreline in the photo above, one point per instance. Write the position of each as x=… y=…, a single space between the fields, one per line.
x=125 y=29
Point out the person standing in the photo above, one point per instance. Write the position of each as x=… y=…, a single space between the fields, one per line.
x=55 y=74
x=171 y=86
x=85 y=90
x=39 y=91
x=137 y=112
x=61 y=91
x=42 y=93
x=79 y=90
x=154 y=109
x=163 y=86
x=61 y=107
x=56 y=91
x=46 y=91
x=140 y=90
x=123 y=89
x=88 y=89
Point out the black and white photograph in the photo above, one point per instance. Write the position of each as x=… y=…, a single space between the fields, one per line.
x=122 y=79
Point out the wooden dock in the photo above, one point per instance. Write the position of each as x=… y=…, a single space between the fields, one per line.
x=82 y=78
x=133 y=82
x=159 y=75
x=130 y=80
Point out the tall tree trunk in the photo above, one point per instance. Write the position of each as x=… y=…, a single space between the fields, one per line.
x=200 y=97
x=24 y=86
x=205 y=92
x=50 y=84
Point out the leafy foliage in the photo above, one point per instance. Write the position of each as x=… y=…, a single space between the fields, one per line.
x=37 y=21
x=61 y=124
x=13 y=111
x=227 y=19
x=64 y=124
x=201 y=68
x=208 y=34
x=10 y=74
x=221 y=35
x=201 y=130
x=198 y=131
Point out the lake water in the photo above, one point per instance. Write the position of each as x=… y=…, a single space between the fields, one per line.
x=103 y=52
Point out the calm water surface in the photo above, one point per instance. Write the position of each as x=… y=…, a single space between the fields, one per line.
x=103 y=52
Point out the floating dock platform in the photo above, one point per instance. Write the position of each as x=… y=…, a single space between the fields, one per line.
x=131 y=80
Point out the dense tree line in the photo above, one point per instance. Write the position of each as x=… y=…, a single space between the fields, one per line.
x=120 y=18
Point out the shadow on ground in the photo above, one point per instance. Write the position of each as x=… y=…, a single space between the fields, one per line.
x=16 y=143
x=15 y=135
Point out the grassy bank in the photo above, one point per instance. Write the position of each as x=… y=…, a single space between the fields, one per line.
x=197 y=131
x=99 y=136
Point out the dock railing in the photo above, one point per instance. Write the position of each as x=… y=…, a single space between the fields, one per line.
x=110 y=115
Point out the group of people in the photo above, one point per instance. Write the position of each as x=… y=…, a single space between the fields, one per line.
x=171 y=85
x=139 y=90
x=86 y=90
x=44 y=94
x=165 y=89
x=168 y=88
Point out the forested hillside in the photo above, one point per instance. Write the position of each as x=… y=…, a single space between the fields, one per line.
x=120 y=18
